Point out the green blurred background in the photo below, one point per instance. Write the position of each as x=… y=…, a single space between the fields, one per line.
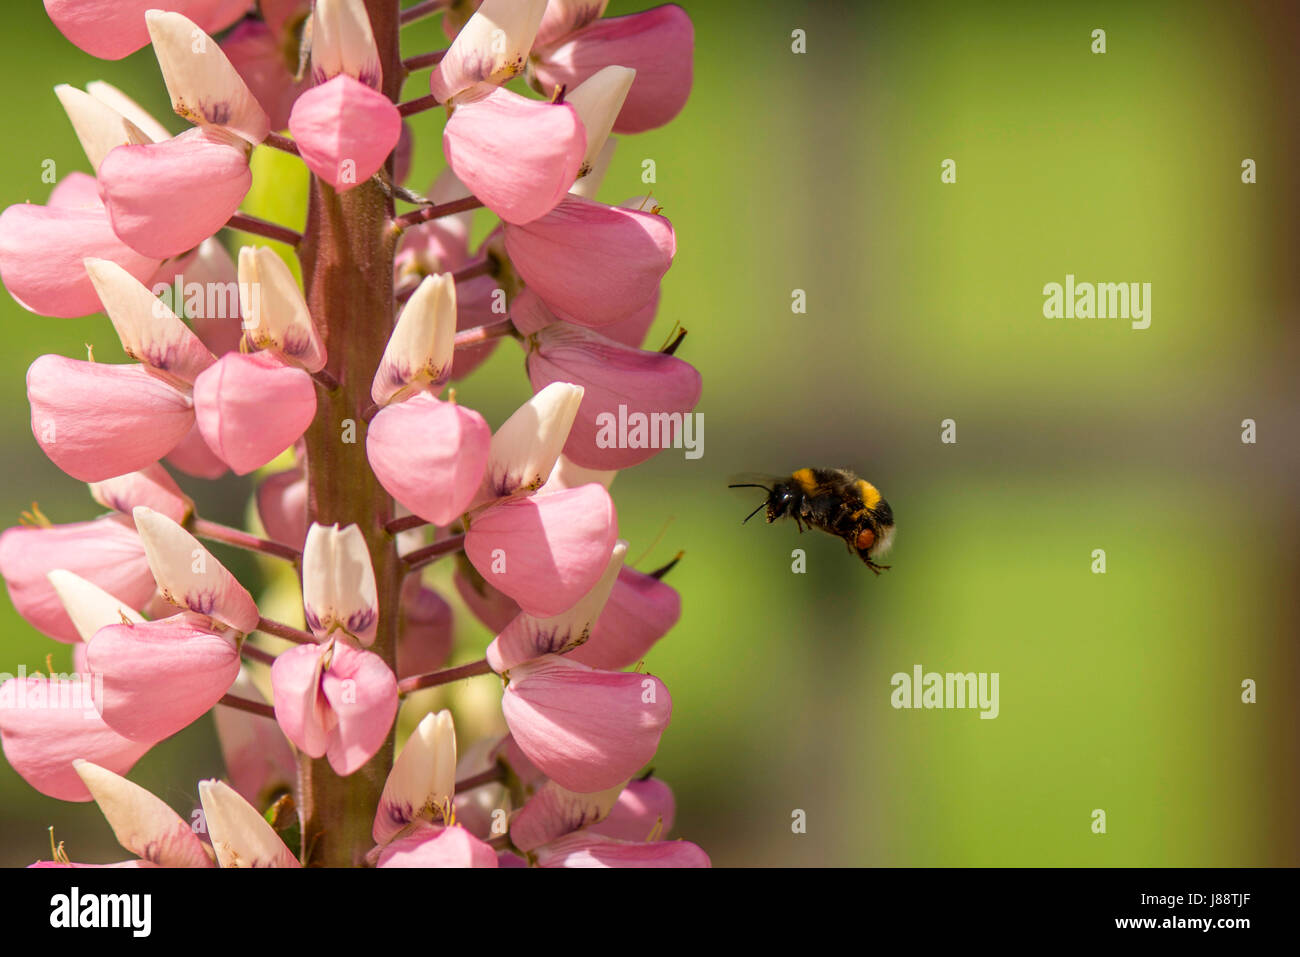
x=821 y=171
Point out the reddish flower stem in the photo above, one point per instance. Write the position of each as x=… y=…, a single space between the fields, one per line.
x=280 y=142
x=260 y=227
x=435 y=678
x=490 y=776
x=404 y=524
x=419 y=105
x=421 y=10
x=216 y=532
x=431 y=553
x=422 y=60
x=254 y=653
x=260 y=708
x=281 y=630
x=484 y=333
x=435 y=211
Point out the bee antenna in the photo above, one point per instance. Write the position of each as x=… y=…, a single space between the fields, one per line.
x=751 y=485
x=755 y=511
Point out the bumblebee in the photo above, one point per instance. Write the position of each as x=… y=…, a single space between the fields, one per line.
x=835 y=501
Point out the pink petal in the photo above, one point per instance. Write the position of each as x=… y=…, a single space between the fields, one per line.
x=160 y=676
x=41 y=740
x=362 y=692
x=632 y=330
x=644 y=808
x=563 y=17
x=488 y=605
x=641 y=609
x=659 y=44
x=344 y=130
x=587 y=730
x=151 y=486
x=592 y=850
x=591 y=263
x=282 y=507
x=106 y=552
x=164 y=198
x=212 y=267
x=545 y=552
x=97 y=421
x=424 y=636
x=300 y=708
x=552 y=812
x=429 y=455
x=519 y=156
x=259 y=759
x=112 y=29
x=193 y=457
x=259 y=55
x=250 y=408
x=42 y=249
x=621 y=384
x=432 y=846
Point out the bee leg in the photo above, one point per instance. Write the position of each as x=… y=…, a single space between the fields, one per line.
x=876 y=568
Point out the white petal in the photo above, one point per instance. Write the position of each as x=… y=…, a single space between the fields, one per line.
x=189 y=576
x=423 y=779
x=567 y=474
x=491 y=48
x=98 y=126
x=338 y=583
x=423 y=343
x=88 y=605
x=342 y=42
x=150 y=332
x=275 y=313
x=143 y=824
x=598 y=100
x=240 y=836
x=525 y=448
x=133 y=111
x=205 y=88
x=588 y=186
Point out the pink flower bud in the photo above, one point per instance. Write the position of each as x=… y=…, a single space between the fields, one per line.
x=106 y=552
x=518 y=156
x=658 y=43
x=626 y=390
x=644 y=809
x=591 y=263
x=259 y=759
x=586 y=849
x=97 y=421
x=432 y=846
x=429 y=455
x=424 y=637
x=189 y=577
x=143 y=824
x=164 y=198
x=160 y=676
x=338 y=584
x=545 y=552
x=641 y=609
x=111 y=31
x=587 y=730
x=334 y=701
x=193 y=457
x=47 y=723
x=250 y=408
x=282 y=506
x=344 y=130
x=213 y=268
x=150 y=486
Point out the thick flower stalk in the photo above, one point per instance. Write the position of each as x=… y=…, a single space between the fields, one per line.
x=337 y=394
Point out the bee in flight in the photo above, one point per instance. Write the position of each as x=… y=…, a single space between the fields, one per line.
x=835 y=501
